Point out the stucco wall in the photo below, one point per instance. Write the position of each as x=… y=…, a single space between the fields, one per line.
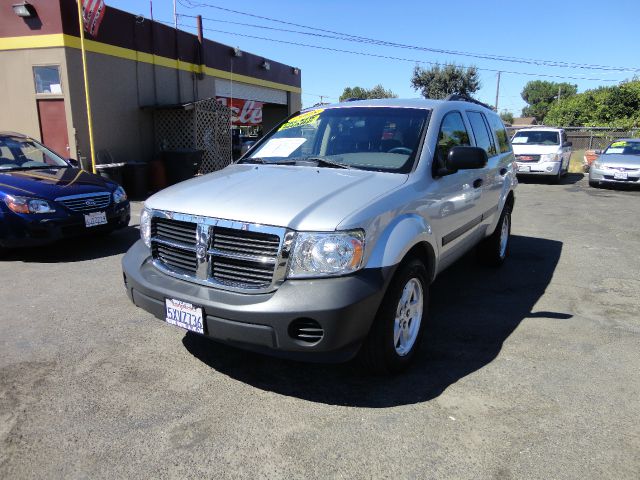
x=17 y=90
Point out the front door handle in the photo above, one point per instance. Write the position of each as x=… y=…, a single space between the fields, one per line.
x=477 y=183
x=503 y=171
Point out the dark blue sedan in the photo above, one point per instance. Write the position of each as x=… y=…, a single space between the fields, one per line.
x=44 y=198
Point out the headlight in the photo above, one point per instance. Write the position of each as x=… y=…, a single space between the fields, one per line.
x=28 y=205
x=145 y=227
x=549 y=157
x=597 y=165
x=326 y=254
x=119 y=195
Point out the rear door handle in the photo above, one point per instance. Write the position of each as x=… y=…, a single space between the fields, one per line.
x=477 y=183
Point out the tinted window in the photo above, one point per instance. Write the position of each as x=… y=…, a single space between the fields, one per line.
x=501 y=133
x=452 y=133
x=481 y=133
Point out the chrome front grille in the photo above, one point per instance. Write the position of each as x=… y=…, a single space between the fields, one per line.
x=88 y=202
x=174 y=244
x=174 y=231
x=220 y=253
x=176 y=257
x=243 y=258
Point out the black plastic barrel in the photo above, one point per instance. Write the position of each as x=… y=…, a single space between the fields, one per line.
x=111 y=171
x=136 y=179
x=181 y=165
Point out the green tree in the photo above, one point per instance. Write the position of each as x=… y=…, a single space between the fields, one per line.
x=540 y=95
x=506 y=116
x=363 y=94
x=616 y=106
x=441 y=81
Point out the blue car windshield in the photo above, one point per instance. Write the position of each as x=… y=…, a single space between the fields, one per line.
x=21 y=153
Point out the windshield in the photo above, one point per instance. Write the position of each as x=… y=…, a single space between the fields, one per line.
x=623 y=148
x=541 y=137
x=368 y=138
x=19 y=153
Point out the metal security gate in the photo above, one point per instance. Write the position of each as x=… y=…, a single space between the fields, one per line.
x=204 y=125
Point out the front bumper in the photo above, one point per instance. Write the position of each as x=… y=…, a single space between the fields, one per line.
x=538 y=168
x=609 y=176
x=27 y=230
x=344 y=307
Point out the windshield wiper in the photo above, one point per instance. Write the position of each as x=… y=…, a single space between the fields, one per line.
x=324 y=162
x=266 y=162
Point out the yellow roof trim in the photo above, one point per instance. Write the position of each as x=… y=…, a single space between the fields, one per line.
x=64 y=40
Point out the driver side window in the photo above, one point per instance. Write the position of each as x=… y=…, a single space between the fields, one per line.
x=453 y=133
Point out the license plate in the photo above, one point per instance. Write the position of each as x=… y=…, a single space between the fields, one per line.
x=620 y=175
x=184 y=315
x=95 y=218
x=523 y=168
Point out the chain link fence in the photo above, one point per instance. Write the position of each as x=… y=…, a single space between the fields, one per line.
x=588 y=138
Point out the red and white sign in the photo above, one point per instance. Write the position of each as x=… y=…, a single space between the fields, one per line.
x=92 y=15
x=243 y=112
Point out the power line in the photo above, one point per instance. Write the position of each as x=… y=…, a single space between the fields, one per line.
x=355 y=38
x=389 y=57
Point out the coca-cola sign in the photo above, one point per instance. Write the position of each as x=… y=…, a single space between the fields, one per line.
x=243 y=112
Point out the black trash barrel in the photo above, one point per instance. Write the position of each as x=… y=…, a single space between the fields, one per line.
x=111 y=171
x=136 y=181
x=181 y=165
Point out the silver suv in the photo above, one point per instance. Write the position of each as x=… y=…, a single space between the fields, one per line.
x=322 y=241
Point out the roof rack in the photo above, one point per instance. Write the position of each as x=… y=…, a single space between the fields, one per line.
x=454 y=97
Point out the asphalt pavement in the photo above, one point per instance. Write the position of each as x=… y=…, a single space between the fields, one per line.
x=529 y=371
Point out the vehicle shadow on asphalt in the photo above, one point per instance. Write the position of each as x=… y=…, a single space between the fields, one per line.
x=473 y=310
x=568 y=179
x=77 y=249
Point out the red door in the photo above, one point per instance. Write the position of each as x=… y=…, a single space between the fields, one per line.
x=53 y=126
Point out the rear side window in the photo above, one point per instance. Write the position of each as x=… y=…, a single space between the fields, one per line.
x=481 y=132
x=452 y=134
x=501 y=133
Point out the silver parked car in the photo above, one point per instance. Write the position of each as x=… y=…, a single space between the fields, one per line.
x=321 y=242
x=618 y=164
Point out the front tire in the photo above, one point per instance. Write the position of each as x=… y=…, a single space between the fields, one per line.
x=397 y=329
x=494 y=249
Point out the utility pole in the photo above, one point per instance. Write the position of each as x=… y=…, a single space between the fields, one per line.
x=175 y=16
x=498 y=90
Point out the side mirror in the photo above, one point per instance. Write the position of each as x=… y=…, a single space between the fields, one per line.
x=466 y=158
x=568 y=144
x=597 y=152
x=73 y=162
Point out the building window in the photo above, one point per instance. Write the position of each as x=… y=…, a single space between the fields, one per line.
x=47 y=79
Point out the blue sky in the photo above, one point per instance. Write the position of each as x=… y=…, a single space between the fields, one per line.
x=585 y=32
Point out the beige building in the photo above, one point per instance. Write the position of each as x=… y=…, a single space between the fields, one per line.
x=132 y=63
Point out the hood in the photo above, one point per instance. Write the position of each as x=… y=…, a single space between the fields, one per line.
x=520 y=149
x=301 y=198
x=50 y=183
x=616 y=160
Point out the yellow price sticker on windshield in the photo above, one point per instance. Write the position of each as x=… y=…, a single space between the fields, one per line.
x=619 y=144
x=306 y=118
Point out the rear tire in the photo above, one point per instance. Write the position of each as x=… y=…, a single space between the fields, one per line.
x=494 y=249
x=397 y=329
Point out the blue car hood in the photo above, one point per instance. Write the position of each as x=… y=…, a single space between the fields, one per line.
x=52 y=183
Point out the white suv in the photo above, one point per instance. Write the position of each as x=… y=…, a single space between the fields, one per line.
x=542 y=151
